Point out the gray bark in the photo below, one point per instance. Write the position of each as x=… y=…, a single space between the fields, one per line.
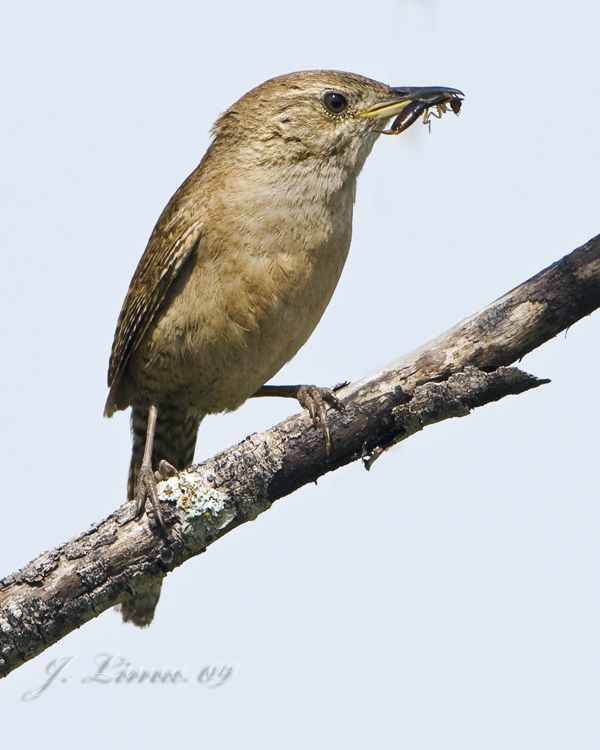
x=462 y=369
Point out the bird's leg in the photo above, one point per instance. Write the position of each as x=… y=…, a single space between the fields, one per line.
x=147 y=477
x=310 y=397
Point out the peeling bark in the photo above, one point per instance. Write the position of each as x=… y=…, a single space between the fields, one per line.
x=462 y=369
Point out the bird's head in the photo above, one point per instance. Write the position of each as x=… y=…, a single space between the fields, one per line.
x=320 y=114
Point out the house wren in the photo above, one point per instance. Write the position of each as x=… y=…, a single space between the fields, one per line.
x=242 y=264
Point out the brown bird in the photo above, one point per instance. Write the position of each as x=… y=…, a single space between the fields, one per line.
x=242 y=264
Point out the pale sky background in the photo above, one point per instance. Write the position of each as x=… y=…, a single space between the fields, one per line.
x=447 y=599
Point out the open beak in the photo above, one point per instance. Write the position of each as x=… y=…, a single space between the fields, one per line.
x=423 y=97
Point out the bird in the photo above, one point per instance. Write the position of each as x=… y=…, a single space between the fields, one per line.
x=241 y=265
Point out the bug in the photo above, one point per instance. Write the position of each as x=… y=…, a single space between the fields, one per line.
x=418 y=107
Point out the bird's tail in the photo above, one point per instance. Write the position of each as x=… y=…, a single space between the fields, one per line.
x=174 y=441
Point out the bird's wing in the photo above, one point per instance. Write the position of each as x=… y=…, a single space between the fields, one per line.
x=168 y=249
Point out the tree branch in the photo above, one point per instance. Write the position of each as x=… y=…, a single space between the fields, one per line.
x=464 y=368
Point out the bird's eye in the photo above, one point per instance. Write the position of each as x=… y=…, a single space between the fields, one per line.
x=335 y=102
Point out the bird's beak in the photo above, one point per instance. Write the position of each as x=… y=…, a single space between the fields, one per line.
x=418 y=97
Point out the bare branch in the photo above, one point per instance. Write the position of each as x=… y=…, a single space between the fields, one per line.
x=464 y=368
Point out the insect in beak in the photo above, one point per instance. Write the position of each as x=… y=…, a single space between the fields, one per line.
x=418 y=107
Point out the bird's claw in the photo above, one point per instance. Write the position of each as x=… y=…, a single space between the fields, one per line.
x=165 y=470
x=315 y=399
x=146 y=490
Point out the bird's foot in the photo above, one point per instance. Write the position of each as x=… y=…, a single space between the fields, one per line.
x=310 y=397
x=315 y=399
x=146 y=489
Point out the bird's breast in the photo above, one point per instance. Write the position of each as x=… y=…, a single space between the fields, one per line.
x=259 y=283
